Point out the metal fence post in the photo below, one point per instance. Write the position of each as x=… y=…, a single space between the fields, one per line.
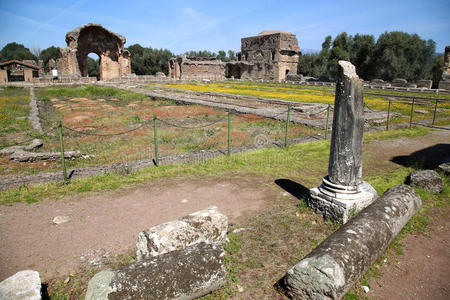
x=61 y=144
x=229 y=133
x=287 y=126
x=434 y=113
x=328 y=119
x=155 y=133
x=389 y=112
x=412 y=112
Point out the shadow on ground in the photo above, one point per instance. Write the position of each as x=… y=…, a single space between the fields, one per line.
x=295 y=189
x=427 y=158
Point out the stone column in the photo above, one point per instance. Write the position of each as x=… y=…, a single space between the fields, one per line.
x=343 y=192
x=345 y=165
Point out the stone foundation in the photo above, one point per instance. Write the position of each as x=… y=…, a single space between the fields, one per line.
x=340 y=202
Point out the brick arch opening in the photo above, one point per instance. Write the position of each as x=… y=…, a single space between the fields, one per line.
x=93 y=38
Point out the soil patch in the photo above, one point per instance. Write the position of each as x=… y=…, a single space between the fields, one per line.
x=110 y=222
x=422 y=271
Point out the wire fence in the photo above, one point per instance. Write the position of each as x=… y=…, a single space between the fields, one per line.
x=396 y=109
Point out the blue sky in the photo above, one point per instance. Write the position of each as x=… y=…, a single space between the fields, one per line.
x=214 y=25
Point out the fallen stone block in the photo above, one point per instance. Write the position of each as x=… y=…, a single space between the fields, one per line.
x=333 y=267
x=24 y=156
x=24 y=285
x=427 y=179
x=35 y=143
x=10 y=150
x=181 y=274
x=208 y=225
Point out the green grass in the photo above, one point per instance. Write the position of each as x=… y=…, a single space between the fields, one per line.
x=14 y=111
x=274 y=162
x=90 y=91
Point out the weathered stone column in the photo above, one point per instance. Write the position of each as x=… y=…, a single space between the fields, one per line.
x=343 y=192
x=345 y=165
x=334 y=266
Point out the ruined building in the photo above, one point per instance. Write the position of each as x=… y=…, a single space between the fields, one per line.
x=195 y=68
x=93 y=38
x=270 y=55
x=15 y=70
x=445 y=80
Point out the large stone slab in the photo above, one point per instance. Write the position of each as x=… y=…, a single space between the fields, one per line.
x=24 y=285
x=208 y=225
x=181 y=274
x=332 y=268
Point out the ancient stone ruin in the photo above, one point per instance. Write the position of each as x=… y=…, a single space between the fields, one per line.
x=93 y=38
x=445 y=81
x=180 y=259
x=343 y=192
x=271 y=55
x=196 y=68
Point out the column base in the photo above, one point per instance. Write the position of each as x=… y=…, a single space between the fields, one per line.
x=339 y=202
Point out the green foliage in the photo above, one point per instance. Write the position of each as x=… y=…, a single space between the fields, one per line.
x=49 y=53
x=148 y=61
x=201 y=53
x=93 y=67
x=361 y=53
x=402 y=55
x=221 y=54
x=16 y=51
x=342 y=45
x=395 y=55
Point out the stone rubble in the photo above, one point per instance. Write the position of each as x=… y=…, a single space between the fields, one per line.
x=208 y=226
x=24 y=285
x=185 y=273
x=427 y=179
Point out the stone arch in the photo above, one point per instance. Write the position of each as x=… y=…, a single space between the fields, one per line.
x=94 y=38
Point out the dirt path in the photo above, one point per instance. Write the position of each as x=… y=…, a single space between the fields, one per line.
x=423 y=271
x=108 y=223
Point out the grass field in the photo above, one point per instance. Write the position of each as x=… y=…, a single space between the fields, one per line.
x=314 y=94
x=14 y=112
x=94 y=119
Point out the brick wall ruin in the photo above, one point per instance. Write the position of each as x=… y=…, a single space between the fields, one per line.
x=93 y=38
x=271 y=55
x=196 y=68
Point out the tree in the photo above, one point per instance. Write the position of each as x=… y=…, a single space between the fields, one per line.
x=402 y=55
x=93 y=67
x=36 y=50
x=16 y=51
x=222 y=55
x=437 y=67
x=49 y=53
x=148 y=61
x=231 y=55
x=201 y=53
x=341 y=49
x=315 y=64
x=361 y=54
